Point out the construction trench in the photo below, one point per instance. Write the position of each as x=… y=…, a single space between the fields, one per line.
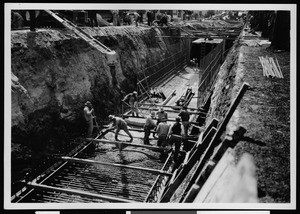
x=55 y=71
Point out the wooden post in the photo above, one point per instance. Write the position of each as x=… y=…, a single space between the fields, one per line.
x=127 y=144
x=157 y=179
x=86 y=161
x=213 y=123
x=169 y=120
x=167 y=106
x=79 y=192
x=174 y=111
x=231 y=110
x=169 y=191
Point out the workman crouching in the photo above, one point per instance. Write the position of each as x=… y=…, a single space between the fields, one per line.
x=118 y=124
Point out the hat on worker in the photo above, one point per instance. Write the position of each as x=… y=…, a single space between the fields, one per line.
x=87 y=103
x=135 y=92
x=111 y=117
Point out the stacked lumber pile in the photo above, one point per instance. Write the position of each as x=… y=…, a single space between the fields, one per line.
x=270 y=67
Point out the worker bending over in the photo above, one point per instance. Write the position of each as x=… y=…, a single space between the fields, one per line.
x=175 y=134
x=162 y=133
x=133 y=102
x=88 y=112
x=149 y=124
x=118 y=124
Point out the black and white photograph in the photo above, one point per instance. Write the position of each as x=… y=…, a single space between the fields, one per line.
x=150 y=106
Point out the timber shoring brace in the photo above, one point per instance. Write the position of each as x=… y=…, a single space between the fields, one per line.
x=212 y=144
x=116 y=165
x=79 y=192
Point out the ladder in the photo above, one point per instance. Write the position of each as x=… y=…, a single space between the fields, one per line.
x=79 y=32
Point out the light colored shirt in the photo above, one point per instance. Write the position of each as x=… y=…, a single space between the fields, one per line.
x=149 y=121
x=119 y=123
x=88 y=113
x=162 y=129
x=162 y=115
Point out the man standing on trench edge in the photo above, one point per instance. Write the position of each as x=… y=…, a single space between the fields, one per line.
x=118 y=124
x=133 y=102
x=89 y=117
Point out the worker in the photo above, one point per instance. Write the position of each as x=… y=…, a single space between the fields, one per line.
x=92 y=14
x=17 y=21
x=89 y=118
x=118 y=124
x=133 y=102
x=162 y=133
x=149 y=125
x=175 y=136
x=150 y=17
x=161 y=115
x=185 y=118
x=136 y=19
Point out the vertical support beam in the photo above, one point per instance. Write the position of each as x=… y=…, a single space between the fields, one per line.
x=223 y=50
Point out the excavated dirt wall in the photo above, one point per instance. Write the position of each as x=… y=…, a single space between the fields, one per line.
x=54 y=72
x=264 y=112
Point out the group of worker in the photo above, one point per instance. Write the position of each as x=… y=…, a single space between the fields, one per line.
x=167 y=134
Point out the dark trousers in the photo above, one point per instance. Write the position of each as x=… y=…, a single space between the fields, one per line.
x=147 y=130
x=177 y=141
x=162 y=140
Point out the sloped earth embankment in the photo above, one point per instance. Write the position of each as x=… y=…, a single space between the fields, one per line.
x=264 y=111
x=54 y=73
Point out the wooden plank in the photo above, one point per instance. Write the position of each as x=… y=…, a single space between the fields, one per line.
x=142 y=123
x=215 y=152
x=279 y=68
x=155 y=148
x=227 y=161
x=213 y=123
x=185 y=170
x=174 y=111
x=79 y=192
x=169 y=97
x=157 y=179
x=231 y=110
x=53 y=169
x=86 y=161
x=194 y=190
x=169 y=106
